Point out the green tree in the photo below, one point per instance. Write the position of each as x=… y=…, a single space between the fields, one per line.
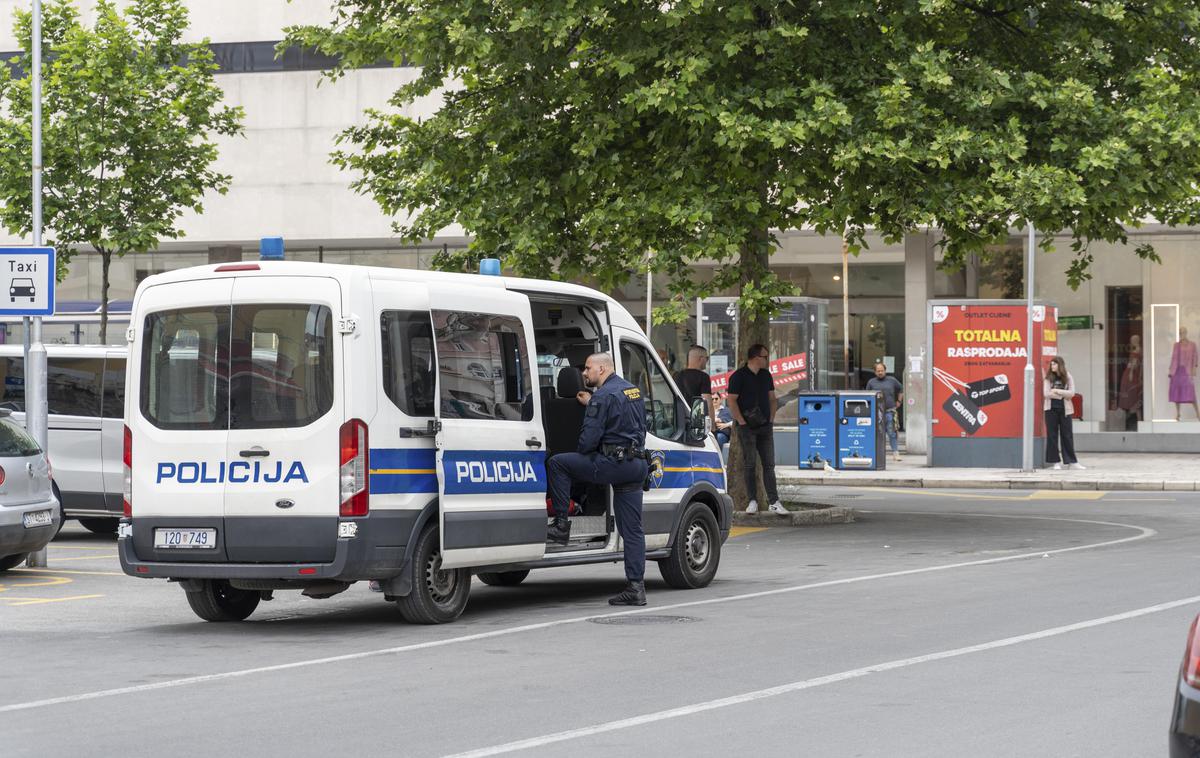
x=575 y=136
x=129 y=112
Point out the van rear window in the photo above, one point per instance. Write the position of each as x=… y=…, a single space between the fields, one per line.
x=245 y=367
x=15 y=442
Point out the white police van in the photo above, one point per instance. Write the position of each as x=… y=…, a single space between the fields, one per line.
x=306 y=426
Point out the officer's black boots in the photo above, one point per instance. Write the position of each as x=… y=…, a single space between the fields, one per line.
x=633 y=594
x=560 y=530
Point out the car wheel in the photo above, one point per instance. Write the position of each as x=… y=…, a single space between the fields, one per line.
x=12 y=561
x=696 y=552
x=438 y=595
x=503 y=578
x=218 y=600
x=100 y=525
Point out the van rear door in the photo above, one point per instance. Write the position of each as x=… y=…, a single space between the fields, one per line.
x=491 y=458
x=285 y=411
x=179 y=418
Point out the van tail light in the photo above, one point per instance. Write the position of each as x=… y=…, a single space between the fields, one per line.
x=127 y=458
x=1191 y=656
x=355 y=462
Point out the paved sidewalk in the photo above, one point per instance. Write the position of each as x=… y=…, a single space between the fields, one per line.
x=1105 y=471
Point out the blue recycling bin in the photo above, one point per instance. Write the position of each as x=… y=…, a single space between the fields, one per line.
x=860 y=439
x=817 y=430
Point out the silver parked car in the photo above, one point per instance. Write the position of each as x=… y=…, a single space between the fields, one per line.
x=30 y=515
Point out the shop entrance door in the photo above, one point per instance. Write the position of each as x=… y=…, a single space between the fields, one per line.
x=1124 y=367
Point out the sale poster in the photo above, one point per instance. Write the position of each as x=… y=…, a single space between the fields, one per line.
x=979 y=356
x=784 y=371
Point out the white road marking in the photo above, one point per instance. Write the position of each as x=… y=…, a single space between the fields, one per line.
x=821 y=681
x=1143 y=533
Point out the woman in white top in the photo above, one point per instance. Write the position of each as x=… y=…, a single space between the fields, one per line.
x=1058 y=387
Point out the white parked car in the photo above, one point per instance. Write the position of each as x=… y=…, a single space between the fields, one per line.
x=86 y=399
x=29 y=513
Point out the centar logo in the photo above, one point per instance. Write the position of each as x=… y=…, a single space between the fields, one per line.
x=495 y=471
x=235 y=472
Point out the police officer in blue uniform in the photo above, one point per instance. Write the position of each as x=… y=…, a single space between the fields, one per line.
x=610 y=452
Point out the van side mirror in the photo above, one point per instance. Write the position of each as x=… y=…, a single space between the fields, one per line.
x=698 y=421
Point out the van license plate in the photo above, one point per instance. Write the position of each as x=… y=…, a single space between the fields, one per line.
x=196 y=539
x=37 y=518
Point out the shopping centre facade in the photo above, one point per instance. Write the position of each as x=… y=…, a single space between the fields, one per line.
x=1132 y=311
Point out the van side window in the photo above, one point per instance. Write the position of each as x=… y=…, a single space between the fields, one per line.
x=113 y=402
x=483 y=366
x=662 y=407
x=408 y=376
x=282 y=365
x=185 y=362
x=12 y=390
x=73 y=386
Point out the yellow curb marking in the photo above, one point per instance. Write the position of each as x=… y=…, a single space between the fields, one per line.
x=1066 y=495
x=738 y=531
x=39 y=601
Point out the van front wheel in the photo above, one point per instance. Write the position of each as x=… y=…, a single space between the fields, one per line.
x=438 y=595
x=218 y=600
x=697 y=550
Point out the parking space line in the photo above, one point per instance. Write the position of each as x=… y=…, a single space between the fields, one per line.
x=39 y=600
x=85 y=558
x=1142 y=533
x=57 y=546
x=807 y=684
x=52 y=581
x=68 y=571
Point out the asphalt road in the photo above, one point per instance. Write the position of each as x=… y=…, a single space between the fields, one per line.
x=940 y=624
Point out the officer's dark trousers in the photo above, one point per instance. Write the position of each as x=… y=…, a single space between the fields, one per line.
x=626 y=477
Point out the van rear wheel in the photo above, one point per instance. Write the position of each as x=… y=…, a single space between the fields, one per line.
x=11 y=561
x=503 y=578
x=696 y=552
x=438 y=595
x=100 y=525
x=218 y=600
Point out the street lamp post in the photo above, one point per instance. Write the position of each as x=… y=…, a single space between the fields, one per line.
x=1030 y=378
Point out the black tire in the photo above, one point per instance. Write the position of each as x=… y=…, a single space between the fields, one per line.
x=100 y=525
x=220 y=601
x=696 y=551
x=503 y=578
x=11 y=561
x=438 y=595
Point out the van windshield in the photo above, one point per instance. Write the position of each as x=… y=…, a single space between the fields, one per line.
x=245 y=367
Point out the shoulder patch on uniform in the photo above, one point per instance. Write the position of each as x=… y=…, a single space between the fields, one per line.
x=633 y=393
x=593 y=409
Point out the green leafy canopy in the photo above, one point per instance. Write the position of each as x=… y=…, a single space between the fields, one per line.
x=128 y=113
x=578 y=136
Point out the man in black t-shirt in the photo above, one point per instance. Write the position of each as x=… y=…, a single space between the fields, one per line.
x=752 y=404
x=695 y=382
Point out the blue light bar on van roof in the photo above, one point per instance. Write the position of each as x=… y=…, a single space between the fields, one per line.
x=489 y=267
x=270 y=249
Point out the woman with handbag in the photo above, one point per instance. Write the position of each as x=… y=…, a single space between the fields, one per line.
x=1058 y=387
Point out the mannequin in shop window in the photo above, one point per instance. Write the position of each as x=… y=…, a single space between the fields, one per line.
x=1183 y=374
x=1129 y=394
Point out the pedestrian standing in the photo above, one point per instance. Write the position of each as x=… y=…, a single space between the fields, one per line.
x=893 y=396
x=752 y=404
x=1058 y=387
x=694 y=381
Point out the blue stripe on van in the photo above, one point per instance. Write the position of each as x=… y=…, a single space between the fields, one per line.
x=396 y=471
x=683 y=468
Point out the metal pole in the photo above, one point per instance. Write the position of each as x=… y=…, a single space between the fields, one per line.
x=35 y=366
x=846 y=309
x=1030 y=378
x=649 y=297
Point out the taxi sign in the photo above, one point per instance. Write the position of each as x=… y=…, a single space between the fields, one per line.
x=27 y=281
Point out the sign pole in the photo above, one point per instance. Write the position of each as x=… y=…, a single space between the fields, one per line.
x=1030 y=378
x=35 y=366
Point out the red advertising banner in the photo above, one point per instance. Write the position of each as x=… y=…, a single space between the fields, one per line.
x=791 y=368
x=979 y=368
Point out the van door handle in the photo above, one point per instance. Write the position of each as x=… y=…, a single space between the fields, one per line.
x=533 y=442
x=257 y=452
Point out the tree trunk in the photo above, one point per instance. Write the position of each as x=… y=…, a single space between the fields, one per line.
x=105 y=262
x=752 y=328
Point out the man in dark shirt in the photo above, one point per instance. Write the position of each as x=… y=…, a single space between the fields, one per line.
x=695 y=382
x=752 y=404
x=893 y=394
